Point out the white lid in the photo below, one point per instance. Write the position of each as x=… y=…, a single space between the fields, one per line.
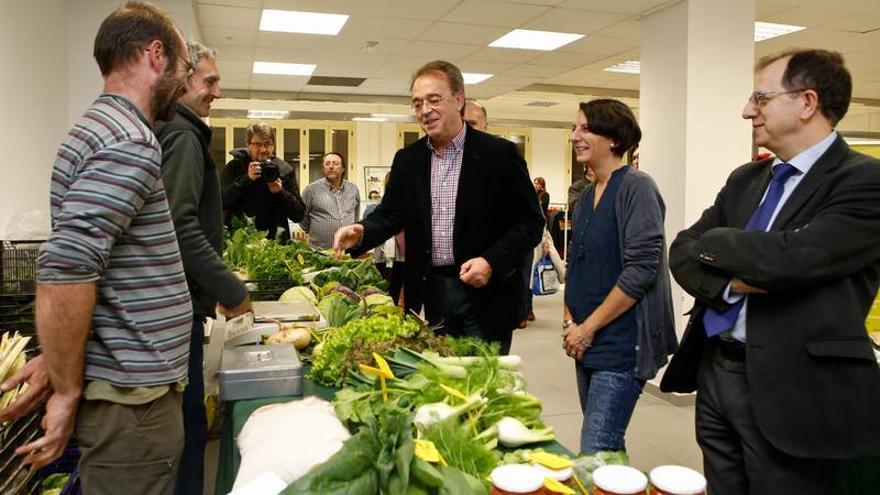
x=620 y=479
x=557 y=474
x=517 y=478
x=678 y=480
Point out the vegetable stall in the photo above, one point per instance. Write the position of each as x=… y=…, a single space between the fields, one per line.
x=420 y=412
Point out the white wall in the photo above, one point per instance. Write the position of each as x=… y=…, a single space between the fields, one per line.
x=33 y=96
x=549 y=160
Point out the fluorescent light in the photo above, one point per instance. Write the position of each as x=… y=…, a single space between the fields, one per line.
x=370 y=119
x=472 y=78
x=535 y=40
x=267 y=114
x=768 y=30
x=291 y=21
x=628 y=67
x=283 y=69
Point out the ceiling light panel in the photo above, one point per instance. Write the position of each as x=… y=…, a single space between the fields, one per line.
x=291 y=21
x=283 y=69
x=628 y=67
x=768 y=30
x=526 y=39
x=474 y=78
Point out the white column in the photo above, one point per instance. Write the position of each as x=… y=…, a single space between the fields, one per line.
x=697 y=58
x=33 y=96
x=50 y=79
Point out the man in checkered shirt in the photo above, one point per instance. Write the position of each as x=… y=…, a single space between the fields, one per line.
x=468 y=210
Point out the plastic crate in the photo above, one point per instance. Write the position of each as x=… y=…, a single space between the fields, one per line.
x=18 y=283
x=267 y=290
x=66 y=464
x=18 y=267
x=15 y=478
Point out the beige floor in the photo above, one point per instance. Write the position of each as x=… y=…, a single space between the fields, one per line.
x=662 y=428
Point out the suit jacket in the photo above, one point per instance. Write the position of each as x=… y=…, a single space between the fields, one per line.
x=496 y=217
x=814 y=381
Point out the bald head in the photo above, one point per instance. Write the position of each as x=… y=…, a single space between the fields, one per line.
x=475 y=115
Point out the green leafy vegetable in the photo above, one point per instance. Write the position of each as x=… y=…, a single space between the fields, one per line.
x=461 y=450
x=339 y=309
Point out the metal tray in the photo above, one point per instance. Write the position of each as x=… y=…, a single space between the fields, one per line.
x=257 y=371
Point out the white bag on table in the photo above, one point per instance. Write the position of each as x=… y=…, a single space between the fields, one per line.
x=288 y=439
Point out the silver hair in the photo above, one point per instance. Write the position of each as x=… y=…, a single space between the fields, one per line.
x=198 y=51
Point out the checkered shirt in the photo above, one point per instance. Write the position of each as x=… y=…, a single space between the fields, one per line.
x=445 y=170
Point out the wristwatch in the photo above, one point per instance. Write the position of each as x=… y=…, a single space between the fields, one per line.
x=567 y=323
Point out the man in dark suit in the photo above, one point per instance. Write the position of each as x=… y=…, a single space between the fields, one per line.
x=468 y=210
x=784 y=267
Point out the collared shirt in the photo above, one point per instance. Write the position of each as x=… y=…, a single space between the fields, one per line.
x=804 y=162
x=111 y=225
x=445 y=170
x=328 y=209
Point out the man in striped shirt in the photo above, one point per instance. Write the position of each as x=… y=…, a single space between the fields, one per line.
x=113 y=311
x=330 y=202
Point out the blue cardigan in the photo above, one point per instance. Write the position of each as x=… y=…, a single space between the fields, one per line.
x=640 y=213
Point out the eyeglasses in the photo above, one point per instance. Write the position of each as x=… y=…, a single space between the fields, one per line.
x=261 y=144
x=760 y=98
x=190 y=68
x=432 y=101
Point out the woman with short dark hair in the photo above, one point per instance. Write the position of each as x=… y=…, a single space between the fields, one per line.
x=618 y=324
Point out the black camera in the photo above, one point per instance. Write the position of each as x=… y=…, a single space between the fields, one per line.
x=269 y=170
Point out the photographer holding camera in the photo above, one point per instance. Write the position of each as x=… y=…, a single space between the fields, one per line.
x=260 y=185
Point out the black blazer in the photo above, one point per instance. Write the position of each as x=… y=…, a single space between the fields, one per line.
x=496 y=217
x=813 y=378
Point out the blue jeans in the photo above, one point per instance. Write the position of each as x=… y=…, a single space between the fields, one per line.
x=608 y=399
x=190 y=475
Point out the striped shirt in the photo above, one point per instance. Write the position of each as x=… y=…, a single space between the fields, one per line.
x=111 y=225
x=327 y=209
x=445 y=170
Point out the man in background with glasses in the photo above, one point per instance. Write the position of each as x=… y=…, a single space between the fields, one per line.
x=193 y=187
x=468 y=210
x=784 y=267
x=259 y=185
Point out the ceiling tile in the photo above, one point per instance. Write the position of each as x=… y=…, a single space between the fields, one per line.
x=808 y=17
x=557 y=58
x=351 y=66
x=463 y=33
x=241 y=53
x=506 y=55
x=405 y=9
x=549 y=3
x=494 y=13
x=232 y=3
x=228 y=17
x=432 y=50
x=228 y=36
x=228 y=68
x=540 y=71
x=483 y=67
x=616 y=6
x=573 y=21
x=378 y=28
x=628 y=29
x=600 y=45
x=856 y=23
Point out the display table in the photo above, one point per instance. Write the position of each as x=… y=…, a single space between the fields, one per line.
x=238 y=412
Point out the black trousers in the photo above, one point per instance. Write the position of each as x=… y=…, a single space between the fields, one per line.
x=448 y=303
x=737 y=458
x=190 y=475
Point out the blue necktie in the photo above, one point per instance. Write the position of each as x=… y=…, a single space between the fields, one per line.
x=716 y=322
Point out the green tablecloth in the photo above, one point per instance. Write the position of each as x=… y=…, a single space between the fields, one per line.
x=238 y=412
